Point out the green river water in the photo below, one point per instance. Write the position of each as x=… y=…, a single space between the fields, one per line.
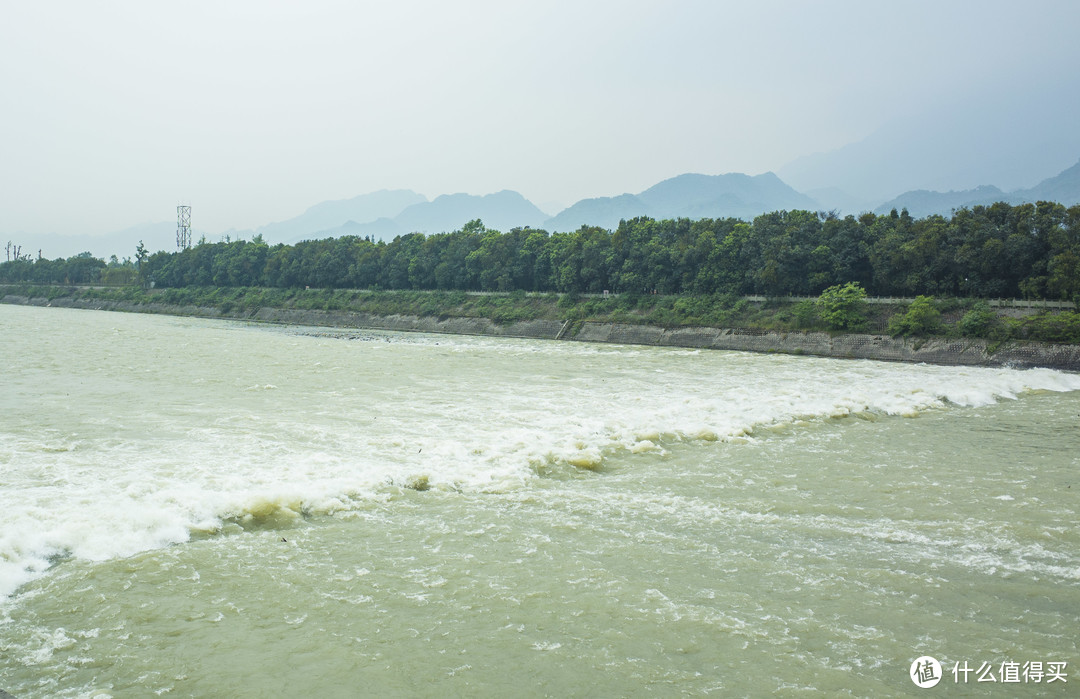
x=215 y=509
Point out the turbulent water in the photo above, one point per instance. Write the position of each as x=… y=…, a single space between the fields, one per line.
x=200 y=508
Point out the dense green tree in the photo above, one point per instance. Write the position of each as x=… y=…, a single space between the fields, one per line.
x=1031 y=250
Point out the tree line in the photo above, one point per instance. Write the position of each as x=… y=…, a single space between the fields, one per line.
x=1023 y=251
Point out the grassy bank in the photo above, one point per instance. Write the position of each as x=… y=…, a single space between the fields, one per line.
x=949 y=318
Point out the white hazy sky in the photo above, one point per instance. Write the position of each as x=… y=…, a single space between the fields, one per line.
x=112 y=112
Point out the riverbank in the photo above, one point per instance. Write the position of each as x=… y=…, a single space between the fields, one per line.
x=878 y=346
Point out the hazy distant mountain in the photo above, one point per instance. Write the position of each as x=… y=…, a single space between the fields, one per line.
x=836 y=199
x=605 y=212
x=388 y=213
x=712 y=196
x=921 y=203
x=687 y=196
x=379 y=229
x=972 y=140
x=501 y=211
x=1063 y=188
x=386 y=203
x=155 y=236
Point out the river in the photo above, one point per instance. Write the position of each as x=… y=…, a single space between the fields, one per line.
x=217 y=509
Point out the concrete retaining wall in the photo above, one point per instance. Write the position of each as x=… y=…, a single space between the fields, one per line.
x=540 y=329
x=970 y=352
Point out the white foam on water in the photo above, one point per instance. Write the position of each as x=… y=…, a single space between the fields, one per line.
x=285 y=427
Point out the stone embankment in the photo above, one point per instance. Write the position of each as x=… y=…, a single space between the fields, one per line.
x=967 y=352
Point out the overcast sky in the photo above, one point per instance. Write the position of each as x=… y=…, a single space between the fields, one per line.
x=111 y=113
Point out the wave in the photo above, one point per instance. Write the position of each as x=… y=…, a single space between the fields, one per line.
x=269 y=453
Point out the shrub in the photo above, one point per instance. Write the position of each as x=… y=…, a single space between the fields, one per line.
x=980 y=321
x=568 y=300
x=627 y=301
x=805 y=314
x=1054 y=327
x=843 y=307
x=922 y=318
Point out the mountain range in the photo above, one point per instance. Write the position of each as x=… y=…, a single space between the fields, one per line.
x=967 y=139
x=329 y=215
x=1063 y=188
x=691 y=196
x=501 y=211
x=389 y=213
x=687 y=196
x=384 y=214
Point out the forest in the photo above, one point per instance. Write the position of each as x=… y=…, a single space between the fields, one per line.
x=1027 y=251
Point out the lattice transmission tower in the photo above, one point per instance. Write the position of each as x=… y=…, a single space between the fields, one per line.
x=183 y=227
